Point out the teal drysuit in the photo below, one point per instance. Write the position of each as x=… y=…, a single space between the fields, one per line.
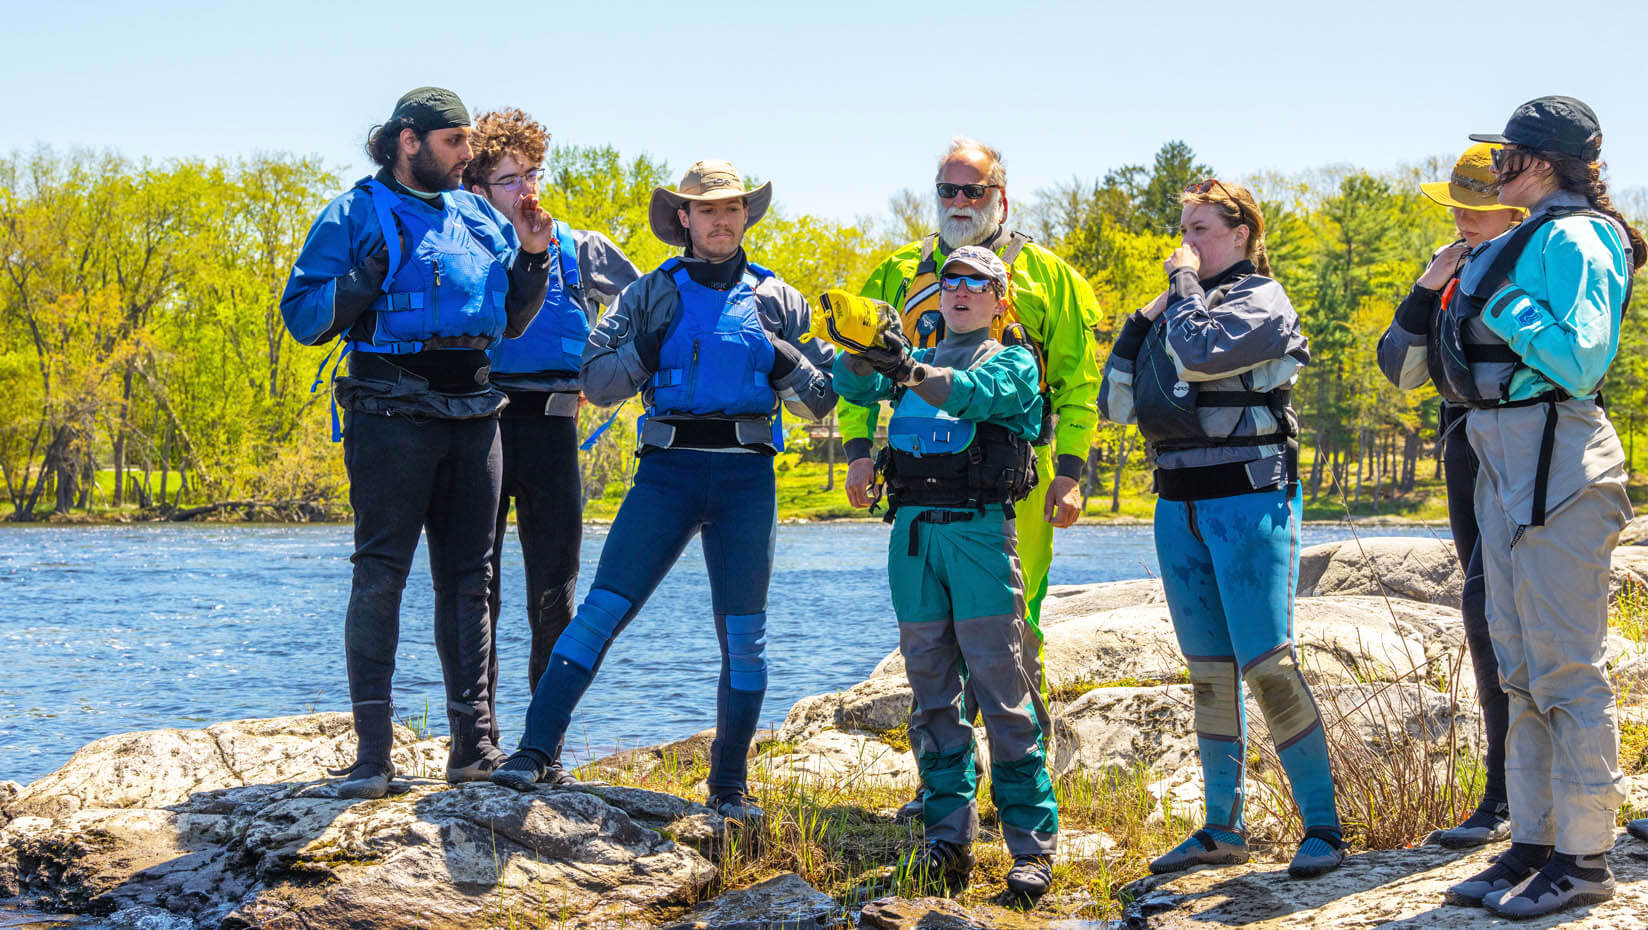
x=958 y=592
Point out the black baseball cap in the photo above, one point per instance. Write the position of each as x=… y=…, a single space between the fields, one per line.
x=1561 y=125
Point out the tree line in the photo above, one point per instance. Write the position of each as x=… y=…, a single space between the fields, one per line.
x=143 y=360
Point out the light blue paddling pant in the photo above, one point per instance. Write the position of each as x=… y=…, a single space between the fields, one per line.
x=1229 y=566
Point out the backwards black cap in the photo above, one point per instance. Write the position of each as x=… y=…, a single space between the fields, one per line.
x=428 y=108
x=1561 y=125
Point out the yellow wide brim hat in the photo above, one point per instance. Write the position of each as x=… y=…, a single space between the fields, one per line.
x=1472 y=185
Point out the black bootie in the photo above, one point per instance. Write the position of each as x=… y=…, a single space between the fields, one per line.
x=374 y=736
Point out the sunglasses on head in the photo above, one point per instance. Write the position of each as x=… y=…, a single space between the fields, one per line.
x=977 y=285
x=973 y=191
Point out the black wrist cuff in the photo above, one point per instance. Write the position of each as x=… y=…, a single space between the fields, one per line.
x=1414 y=313
x=1131 y=338
x=1070 y=466
x=856 y=448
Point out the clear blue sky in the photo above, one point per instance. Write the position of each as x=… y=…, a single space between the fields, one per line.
x=838 y=104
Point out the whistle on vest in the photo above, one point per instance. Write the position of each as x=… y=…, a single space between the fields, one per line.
x=851 y=322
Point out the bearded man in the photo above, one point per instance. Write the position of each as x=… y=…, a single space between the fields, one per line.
x=1057 y=310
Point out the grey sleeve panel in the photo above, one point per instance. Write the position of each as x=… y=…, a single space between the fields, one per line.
x=935 y=387
x=1403 y=357
x=1255 y=324
x=807 y=391
x=612 y=371
x=605 y=269
x=1116 y=391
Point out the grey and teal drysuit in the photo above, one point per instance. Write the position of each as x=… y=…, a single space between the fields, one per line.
x=416 y=309
x=1532 y=337
x=1207 y=382
x=697 y=339
x=1403 y=358
x=538 y=370
x=958 y=458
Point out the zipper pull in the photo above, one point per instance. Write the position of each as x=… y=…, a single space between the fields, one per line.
x=695 y=351
x=437 y=272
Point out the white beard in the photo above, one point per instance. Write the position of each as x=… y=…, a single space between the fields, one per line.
x=973 y=227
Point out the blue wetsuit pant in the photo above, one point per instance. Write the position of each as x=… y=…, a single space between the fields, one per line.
x=730 y=498
x=1230 y=566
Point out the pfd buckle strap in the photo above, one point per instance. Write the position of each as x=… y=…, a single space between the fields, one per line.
x=934 y=516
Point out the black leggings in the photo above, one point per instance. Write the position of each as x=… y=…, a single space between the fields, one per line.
x=1459 y=468
x=540 y=472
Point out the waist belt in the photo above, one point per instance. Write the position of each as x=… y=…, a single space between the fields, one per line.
x=935 y=516
x=1227 y=480
x=455 y=375
x=706 y=433
x=541 y=404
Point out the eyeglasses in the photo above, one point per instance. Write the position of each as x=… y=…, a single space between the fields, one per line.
x=973 y=191
x=955 y=282
x=510 y=182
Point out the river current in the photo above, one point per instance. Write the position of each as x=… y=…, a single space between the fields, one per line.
x=117 y=628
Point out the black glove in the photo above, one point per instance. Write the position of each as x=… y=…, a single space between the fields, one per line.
x=894 y=360
x=786 y=358
x=648 y=345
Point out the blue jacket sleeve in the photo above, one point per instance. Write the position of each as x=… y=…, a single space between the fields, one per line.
x=1559 y=310
x=331 y=285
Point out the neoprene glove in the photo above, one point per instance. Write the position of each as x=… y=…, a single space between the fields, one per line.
x=786 y=358
x=648 y=345
x=893 y=361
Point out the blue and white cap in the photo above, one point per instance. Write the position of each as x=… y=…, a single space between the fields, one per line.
x=979 y=259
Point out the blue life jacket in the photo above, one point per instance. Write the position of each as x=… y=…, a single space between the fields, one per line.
x=448 y=284
x=716 y=358
x=555 y=340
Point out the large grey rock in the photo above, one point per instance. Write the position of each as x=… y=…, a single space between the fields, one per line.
x=783 y=902
x=1069 y=601
x=232 y=852
x=834 y=757
x=1417 y=568
x=1386 y=888
x=877 y=704
x=1635 y=532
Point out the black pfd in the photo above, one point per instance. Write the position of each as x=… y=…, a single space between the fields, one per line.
x=1471 y=366
x=1166 y=406
x=936 y=460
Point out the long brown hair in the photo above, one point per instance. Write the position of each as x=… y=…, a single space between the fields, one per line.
x=1583 y=177
x=1237 y=208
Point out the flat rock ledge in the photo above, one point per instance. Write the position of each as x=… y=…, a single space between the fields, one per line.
x=1385 y=888
x=236 y=827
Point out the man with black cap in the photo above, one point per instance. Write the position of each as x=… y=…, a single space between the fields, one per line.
x=713 y=342
x=417 y=279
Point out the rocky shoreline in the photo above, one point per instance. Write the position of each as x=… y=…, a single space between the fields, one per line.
x=235 y=826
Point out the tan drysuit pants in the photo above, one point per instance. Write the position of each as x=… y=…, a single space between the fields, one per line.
x=1547 y=606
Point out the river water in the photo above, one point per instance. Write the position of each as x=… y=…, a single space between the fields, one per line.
x=117 y=628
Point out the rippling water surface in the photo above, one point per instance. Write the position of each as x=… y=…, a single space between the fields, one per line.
x=110 y=629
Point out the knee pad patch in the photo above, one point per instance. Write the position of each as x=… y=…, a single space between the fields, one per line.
x=1218 y=698
x=592 y=628
x=1283 y=696
x=747 y=651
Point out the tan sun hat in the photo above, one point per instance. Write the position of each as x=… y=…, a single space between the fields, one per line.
x=705 y=180
x=1472 y=185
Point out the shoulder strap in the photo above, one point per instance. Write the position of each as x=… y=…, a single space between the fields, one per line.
x=928 y=264
x=569 y=255
x=761 y=273
x=1500 y=271
x=1015 y=244
x=384 y=202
